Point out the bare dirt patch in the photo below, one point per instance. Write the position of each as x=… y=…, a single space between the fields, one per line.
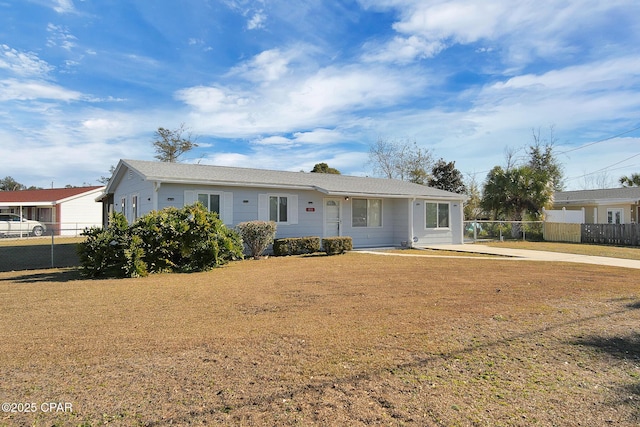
x=351 y=340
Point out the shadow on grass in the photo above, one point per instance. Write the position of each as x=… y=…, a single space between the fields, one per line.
x=619 y=347
x=627 y=347
x=624 y=348
x=57 y=276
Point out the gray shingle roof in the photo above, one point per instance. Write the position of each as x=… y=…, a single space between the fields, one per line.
x=593 y=196
x=326 y=183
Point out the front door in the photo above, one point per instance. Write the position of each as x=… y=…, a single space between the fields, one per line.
x=332 y=218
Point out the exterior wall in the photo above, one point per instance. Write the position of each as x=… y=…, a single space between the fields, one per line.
x=131 y=185
x=437 y=236
x=245 y=206
x=370 y=236
x=597 y=214
x=79 y=213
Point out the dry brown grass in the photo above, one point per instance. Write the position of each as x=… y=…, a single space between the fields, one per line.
x=351 y=340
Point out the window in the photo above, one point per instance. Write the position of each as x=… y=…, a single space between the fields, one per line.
x=134 y=207
x=278 y=209
x=210 y=201
x=437 y=215
x=123 y=206
x=614 y=216
x=366 y=213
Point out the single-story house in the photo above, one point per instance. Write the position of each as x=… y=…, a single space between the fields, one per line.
x=604 y=206
x=374 y=212
x=67 y=211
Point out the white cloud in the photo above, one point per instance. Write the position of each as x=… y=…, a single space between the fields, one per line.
x=403 y=50
x=267 y=66
x=319 y=136
x=63 y=6
x=280 y=141
x=308 y=101
x=524 y=29
x=22 y=63
x=12 y=89
x=60 y=36
x=257 y=21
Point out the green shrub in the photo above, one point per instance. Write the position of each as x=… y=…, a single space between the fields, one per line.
x=171 y=240
x=257 y=235
x=296 y=246
x=337 y=245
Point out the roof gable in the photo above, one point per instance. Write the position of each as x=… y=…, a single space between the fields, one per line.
x=232 y=176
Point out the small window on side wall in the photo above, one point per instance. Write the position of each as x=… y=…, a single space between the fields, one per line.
x=437 y=215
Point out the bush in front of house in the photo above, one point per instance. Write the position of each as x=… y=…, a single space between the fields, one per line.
x=257 y=235
x=186 y=240
x=108 y=251
x=296 y=246
x=171 y=240
x=337 y=245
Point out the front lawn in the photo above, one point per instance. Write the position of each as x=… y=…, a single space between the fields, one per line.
x=354 y=340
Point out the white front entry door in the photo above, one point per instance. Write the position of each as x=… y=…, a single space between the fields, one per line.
x=332 y=217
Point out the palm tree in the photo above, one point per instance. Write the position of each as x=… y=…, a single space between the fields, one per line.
x=630 y=181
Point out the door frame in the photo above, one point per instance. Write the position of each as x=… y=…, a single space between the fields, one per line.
x=324 y=215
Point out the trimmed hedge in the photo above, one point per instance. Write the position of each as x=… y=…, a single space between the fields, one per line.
x=337 y=245
x=257 y=235
x=296 y=246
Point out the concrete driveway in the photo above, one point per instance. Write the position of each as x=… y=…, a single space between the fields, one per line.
x=523 y=254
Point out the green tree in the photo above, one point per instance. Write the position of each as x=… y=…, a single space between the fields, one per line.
x=445 y=176
x=516 y=193
x=171 y=144
x=324 y=168
x=472 y=207
x=542 y=158
x=10 y=184
x=630 y=181
x=404 y=160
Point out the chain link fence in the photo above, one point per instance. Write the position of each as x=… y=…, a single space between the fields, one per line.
x=478 y=231
x=55 y=248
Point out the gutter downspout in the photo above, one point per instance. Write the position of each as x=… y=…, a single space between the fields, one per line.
x=410 y=237
x=156 y=188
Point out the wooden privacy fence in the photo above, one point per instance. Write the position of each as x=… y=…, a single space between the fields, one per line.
x=561 y=232
x=608 y=234
x=611 y=234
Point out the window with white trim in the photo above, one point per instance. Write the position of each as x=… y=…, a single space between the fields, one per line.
x=123 y=206
x=211 y=201
x=281 y=208
x=278 y=208
x=366 y=213
x=437 y=215
x=615 y=216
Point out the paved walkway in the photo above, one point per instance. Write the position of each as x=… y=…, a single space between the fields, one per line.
x=523 y=254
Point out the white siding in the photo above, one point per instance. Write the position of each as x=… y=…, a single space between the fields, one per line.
x=79 y=213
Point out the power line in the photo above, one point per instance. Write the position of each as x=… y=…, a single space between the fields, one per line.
x=599 y=141
x=605 y=168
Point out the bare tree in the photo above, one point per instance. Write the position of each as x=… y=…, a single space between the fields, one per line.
x=398 y=159
x=171 y=144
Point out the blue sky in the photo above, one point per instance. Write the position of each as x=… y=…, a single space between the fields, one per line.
x=283 y=84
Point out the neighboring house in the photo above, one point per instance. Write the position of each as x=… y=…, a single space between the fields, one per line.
x=374 y=212
x=605 y=206
x=66 y=211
